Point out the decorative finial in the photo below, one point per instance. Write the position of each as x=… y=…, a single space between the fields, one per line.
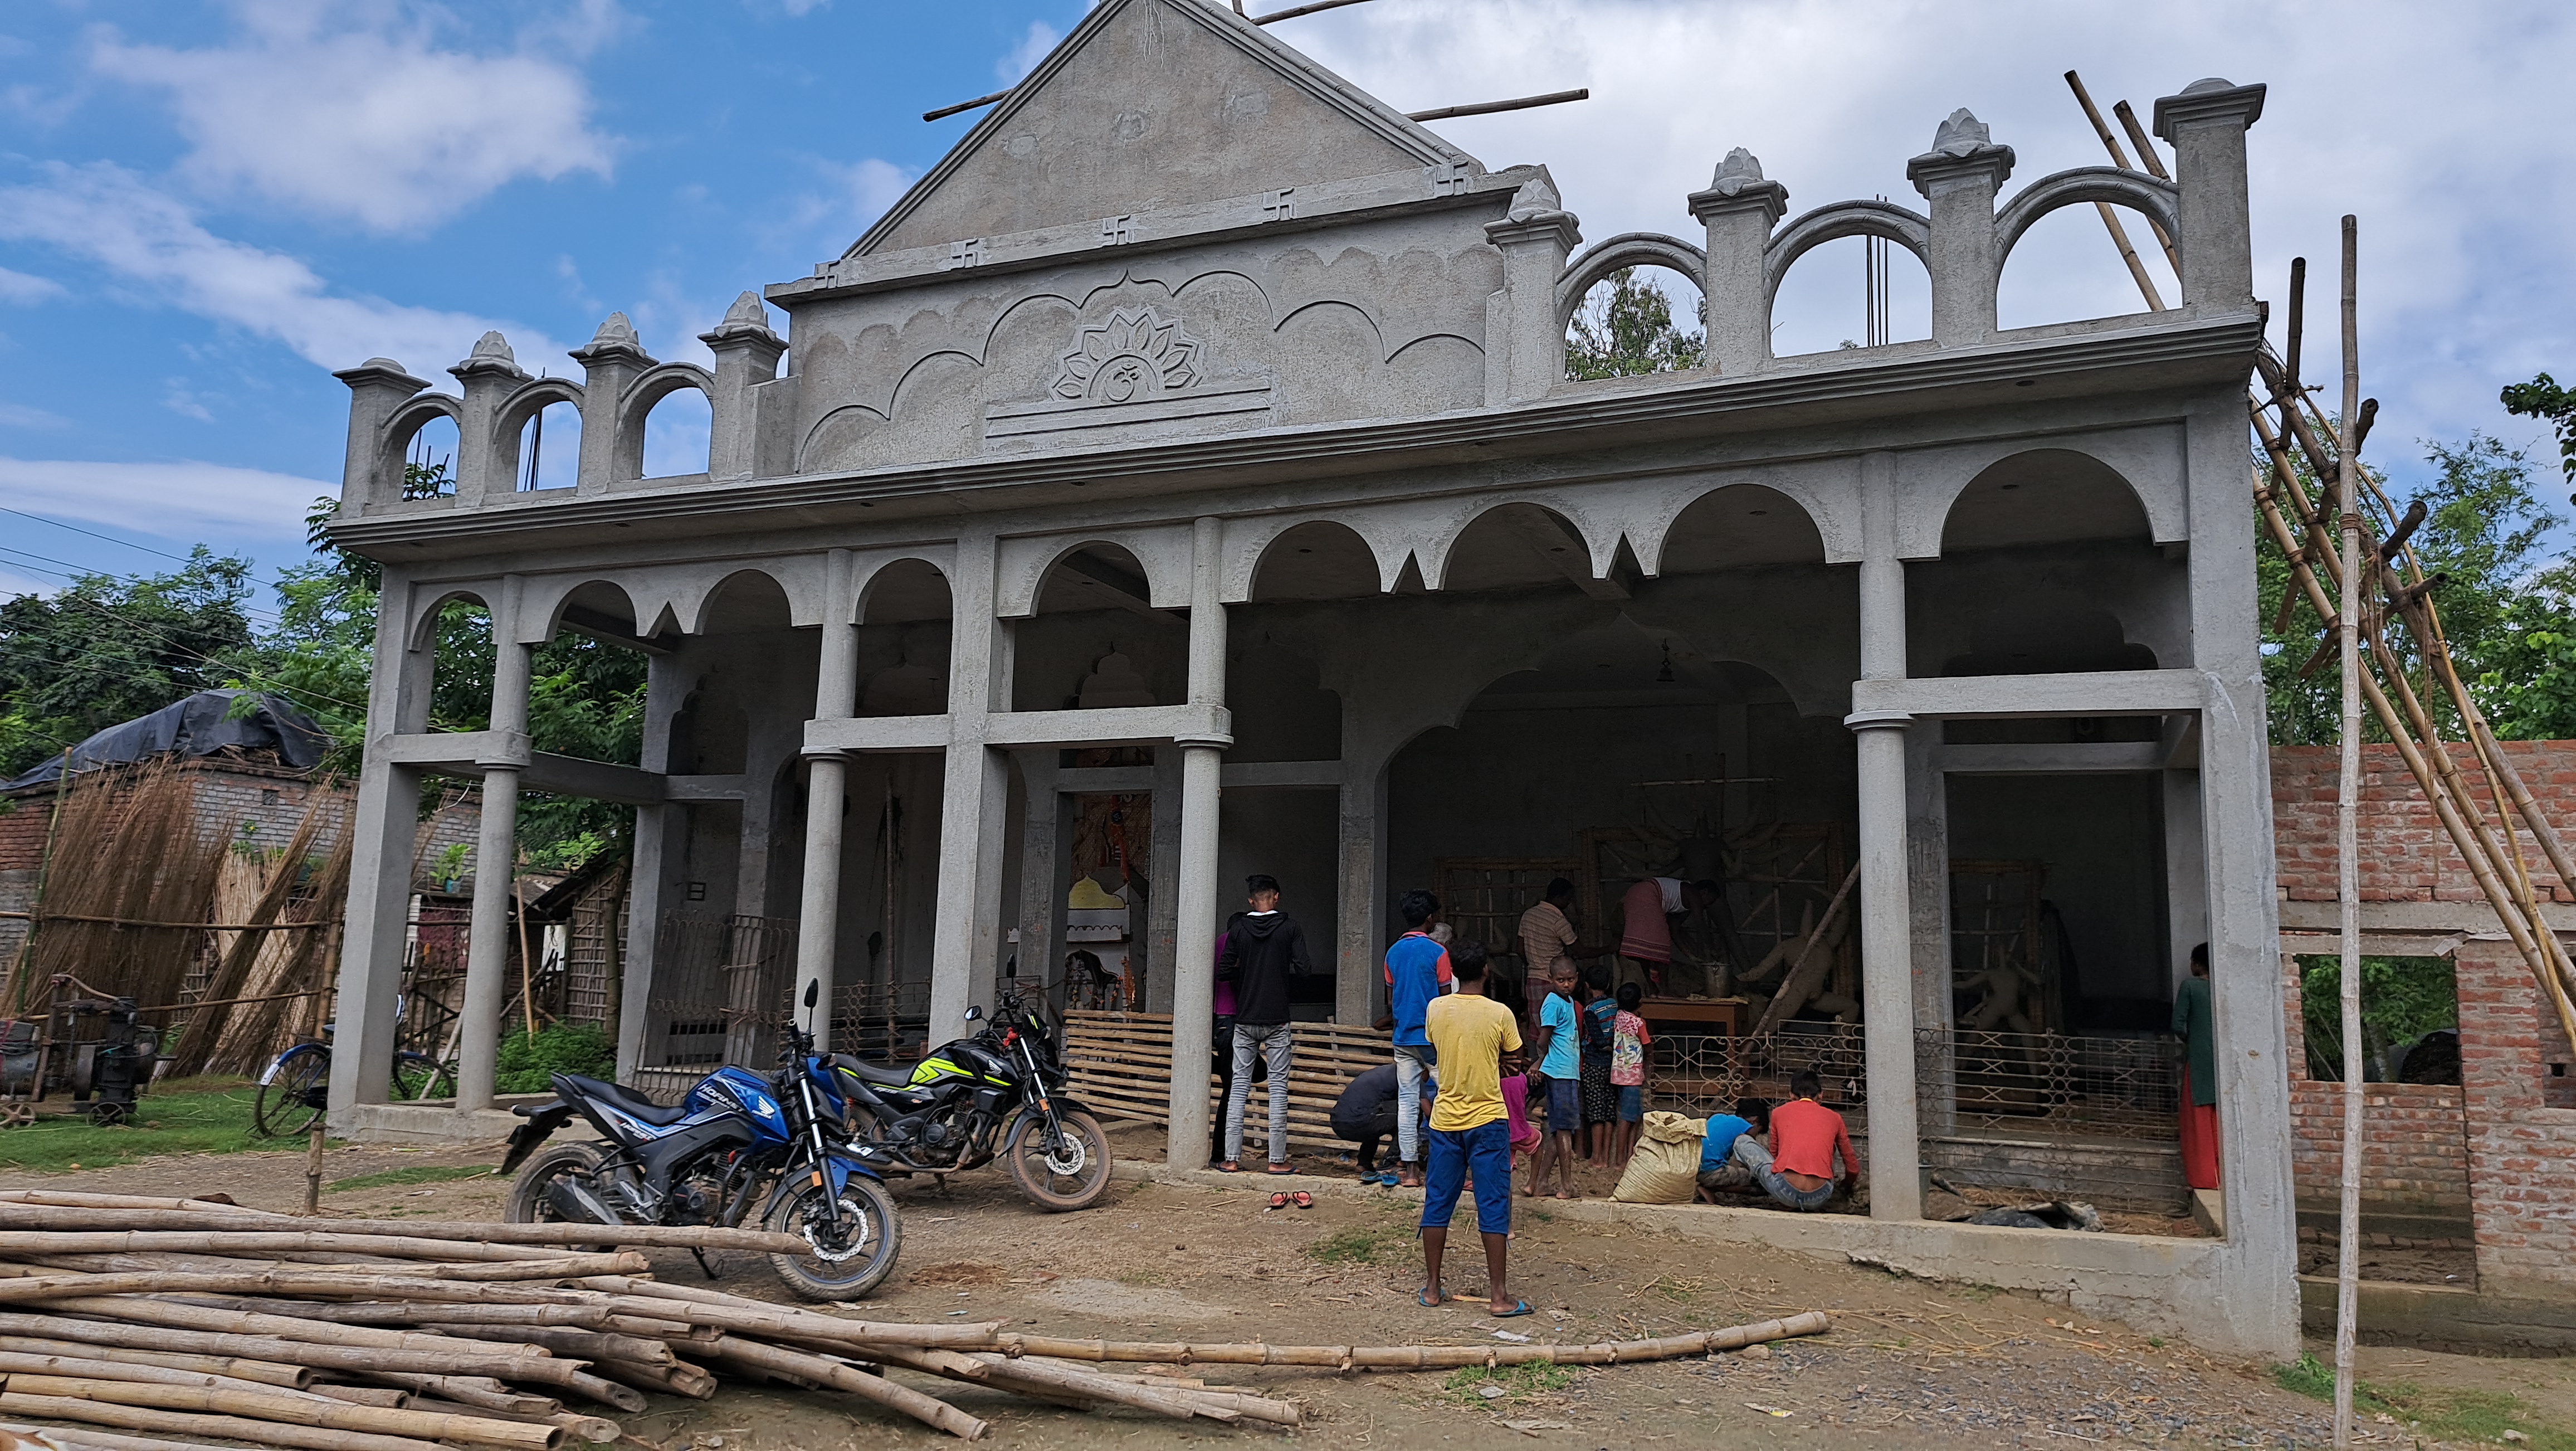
x=1962 y=134
x=494 y=346
x=1536 y=198
x=747 y=311
x=1739 y=169
x=614 y=331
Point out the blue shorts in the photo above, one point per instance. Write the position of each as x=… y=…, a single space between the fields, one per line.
x=1487 y=1149
x=1564 y=1105
x=1632 y=1103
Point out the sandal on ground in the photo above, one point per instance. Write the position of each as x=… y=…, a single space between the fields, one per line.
x=1301 y=1199
x=1519 y=1308
x=1229 y=1167
x=1280 y=1166
x=1278 y=1201
x=1428 y=1298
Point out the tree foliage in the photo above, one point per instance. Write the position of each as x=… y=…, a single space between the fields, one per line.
x=1625 y=327
x=107 y=649
x=2543 y=399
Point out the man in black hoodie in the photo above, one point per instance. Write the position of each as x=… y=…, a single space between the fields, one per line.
x=1264 y=948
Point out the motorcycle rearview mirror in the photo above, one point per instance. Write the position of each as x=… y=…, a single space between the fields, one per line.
x=974 y=1015
x=813 y=991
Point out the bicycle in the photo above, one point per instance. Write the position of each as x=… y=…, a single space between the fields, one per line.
x=295 y=1089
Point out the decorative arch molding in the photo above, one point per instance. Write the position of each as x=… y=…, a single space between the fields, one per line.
x=641 y=398
x=1628 y=249
x=870 y=566
x=2160 y=201
x=526 y=402
x=544 y=597
x=1906 y=228
x=2149 y=459
x=421 y=630
x=1596 y=526
x=692 y=589
x=1248 y=542
x=855 y=414
x=394 y=439
x=1827 y=492
x=1162 y=551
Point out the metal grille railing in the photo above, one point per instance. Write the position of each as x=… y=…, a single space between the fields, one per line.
x=717 y=987
x=2110 y=1087
x=1701 y=1075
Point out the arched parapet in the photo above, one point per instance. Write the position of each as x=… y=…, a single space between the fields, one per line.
x=393 y=439
x=2146 y=464
x=642 y=395
x=526 y=402
x=1628 y=249
x=867 y=568
x=1161 y=551
x=1903 y=226
x=2158 y=200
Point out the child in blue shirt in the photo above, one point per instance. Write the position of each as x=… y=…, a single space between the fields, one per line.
x=1718 y=1169
x=1560 y=1062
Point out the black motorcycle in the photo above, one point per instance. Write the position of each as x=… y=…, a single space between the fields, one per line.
x=1000 y=1090
x=736 y=1140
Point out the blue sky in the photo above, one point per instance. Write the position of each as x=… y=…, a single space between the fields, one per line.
x=206 y=207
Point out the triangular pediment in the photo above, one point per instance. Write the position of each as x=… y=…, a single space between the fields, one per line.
x=1151 y=104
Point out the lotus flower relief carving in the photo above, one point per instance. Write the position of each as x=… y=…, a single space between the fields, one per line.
x=1134 y=356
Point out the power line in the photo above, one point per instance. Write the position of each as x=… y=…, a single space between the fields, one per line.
x=94 y=534
x=76 y=573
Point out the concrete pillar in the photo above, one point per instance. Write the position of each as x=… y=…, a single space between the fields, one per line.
x=488 y=947
x=1959 y=177
x=380 y=863
x=1160 y=940
x=1927 y=857
x=2186 y=874
x=818 y=904
x=2262 y=1304
x=2205 y=125
x=1524 y=336
x=377 y=387
x=610 y=361
x=489 y=375
x=666 y=689
x=1359 y=954
x=1739 y=209
x=1886 y=906
x=747 y=354
x=974 y=796
x=1194 y=882
x=1043 y=852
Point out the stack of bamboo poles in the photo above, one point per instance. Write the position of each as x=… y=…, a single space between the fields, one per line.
x=130 y=874
x=176 y=1317
x=284 y=947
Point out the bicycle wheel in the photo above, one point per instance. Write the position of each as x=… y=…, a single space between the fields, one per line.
x=417 y=1077
x=294 y=1092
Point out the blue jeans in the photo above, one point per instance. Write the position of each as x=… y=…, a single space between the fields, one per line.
x=1487 y=1148
x=1412 y=1065
x=1750 y=1153
x=1274 y=1043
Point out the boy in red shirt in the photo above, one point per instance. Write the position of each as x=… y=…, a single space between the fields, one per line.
x=1797 y=1170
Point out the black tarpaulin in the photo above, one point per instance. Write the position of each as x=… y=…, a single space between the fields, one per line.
x=199 y=725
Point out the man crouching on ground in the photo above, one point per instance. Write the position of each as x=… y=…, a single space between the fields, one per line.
x=1471 y=1034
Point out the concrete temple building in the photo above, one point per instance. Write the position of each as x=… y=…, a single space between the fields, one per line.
x=1198 y=434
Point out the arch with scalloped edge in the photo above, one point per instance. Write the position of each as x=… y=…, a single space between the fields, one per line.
x=1628 y=249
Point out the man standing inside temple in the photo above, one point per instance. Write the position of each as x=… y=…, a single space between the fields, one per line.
x=1548 y=937
x=1264 y=950
x=1646 y=914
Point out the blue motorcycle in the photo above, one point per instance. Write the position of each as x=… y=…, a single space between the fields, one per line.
x=737 y=1139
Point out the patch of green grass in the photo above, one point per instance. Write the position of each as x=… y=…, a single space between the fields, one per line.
x=187 y=1118
x=416 y=1174
x=1358 y=1246
x=1518 y=1382
x=2438 y=1415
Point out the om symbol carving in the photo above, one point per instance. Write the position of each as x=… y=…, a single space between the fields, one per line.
x=1134 y=356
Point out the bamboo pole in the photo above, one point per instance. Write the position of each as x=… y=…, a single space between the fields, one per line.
x=230 y=1428
x=19 y=971
x=161 y=1325
x=85 y=1438
x=929 y=1410
x=482 y=1393
x=313 y=1169
x=631 y=1236
x=292 y=1409
x=578 y=1344
x=732 y=1312
x=2348 y=853
x=78 y=1199
x=1419 y=1357
x=597 y=1430
x=265 y=1372
x=364 y=1395
x=995 y=1371
x=16 y=1363
x=392 y=1248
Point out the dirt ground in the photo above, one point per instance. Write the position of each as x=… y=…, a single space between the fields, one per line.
x=1907 y=1364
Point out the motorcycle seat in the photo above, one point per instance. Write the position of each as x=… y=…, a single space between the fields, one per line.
x=871 y=1073
x=626 y=1100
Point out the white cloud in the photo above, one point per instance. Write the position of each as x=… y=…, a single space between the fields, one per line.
x=19 y=287
x=19 y=415
x=184 y=401
x=103 y=213
x=1024 y=57
x=852 y=196
x=346 y=112
x=171 y=500
x=2445 y=138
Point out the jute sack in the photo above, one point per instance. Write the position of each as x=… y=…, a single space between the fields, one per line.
x=1665 y=1167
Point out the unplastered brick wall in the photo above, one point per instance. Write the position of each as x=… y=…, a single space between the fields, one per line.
x=2415 y=1149
x=2522 y=1150
x=2405 y=854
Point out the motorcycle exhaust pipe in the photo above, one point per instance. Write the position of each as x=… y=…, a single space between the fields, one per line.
x=573 y=1200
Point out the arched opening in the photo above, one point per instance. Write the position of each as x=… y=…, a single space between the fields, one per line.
x=1319 y=560
x=550 y=448
x=677 y=434
x=1097 y=640
x=2048 y=565
x=1851 y=292
x=904 y=625
x=1740 y=526
x=429 y=458
x=459 y=637
x=2067 y=268
x=747 y=602
x=1517 y=547
x=1639 y=319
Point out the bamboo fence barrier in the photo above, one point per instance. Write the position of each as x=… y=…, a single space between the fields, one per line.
x=178 y=1318
x=1121 y=1066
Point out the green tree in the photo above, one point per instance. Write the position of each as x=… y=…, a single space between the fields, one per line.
x=2543 y=399
x=107 y=649
x=1625 y=327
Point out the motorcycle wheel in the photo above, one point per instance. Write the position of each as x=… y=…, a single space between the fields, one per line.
x=847 y=1270
x=528 y=1203
x=1073 y=1177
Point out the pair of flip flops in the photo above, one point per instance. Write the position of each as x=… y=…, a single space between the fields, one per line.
x=1425 y=1298
x=1387 y=1179
x=1301 y=1199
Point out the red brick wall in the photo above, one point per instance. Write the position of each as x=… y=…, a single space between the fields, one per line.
x=2522 y=1151
x=2415 y=1149
x=2405 y=854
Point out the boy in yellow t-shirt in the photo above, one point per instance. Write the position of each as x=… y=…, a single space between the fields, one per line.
x=1470 y=1035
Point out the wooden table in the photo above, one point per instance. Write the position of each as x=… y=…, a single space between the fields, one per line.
x=1720 y=1016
